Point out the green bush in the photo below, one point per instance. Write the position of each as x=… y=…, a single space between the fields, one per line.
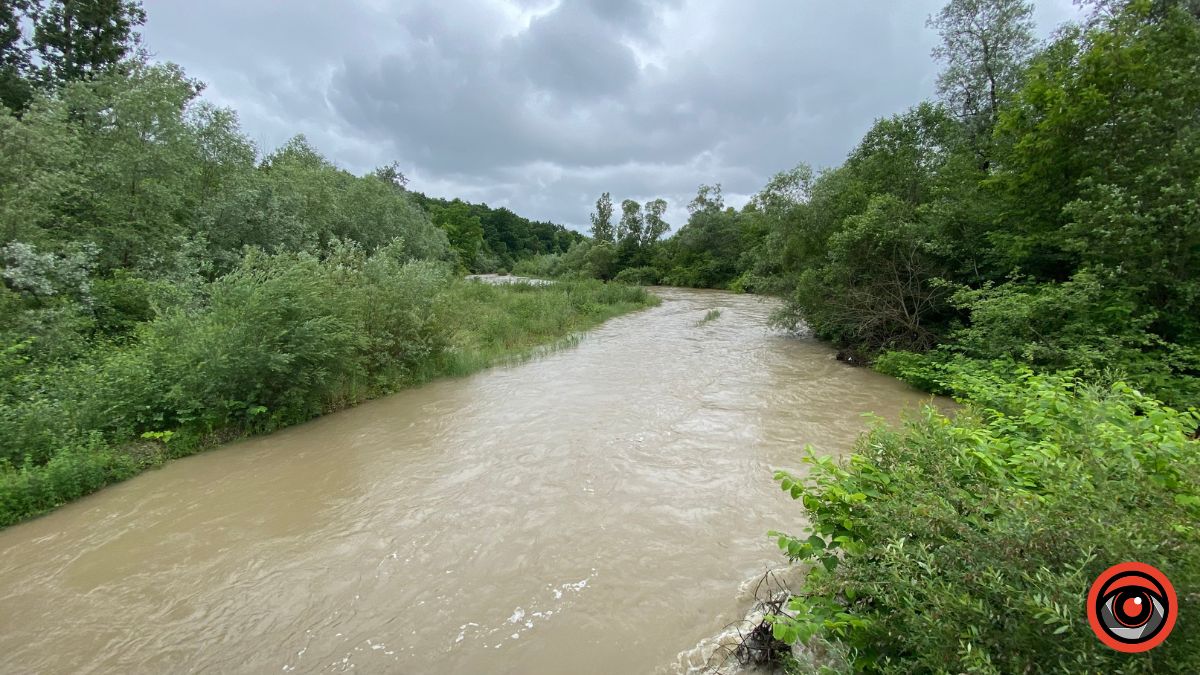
x=641 y=276
x=73 y=472
x=539 y=267
x=968 y=544
x=277 y=341
x=123 y=301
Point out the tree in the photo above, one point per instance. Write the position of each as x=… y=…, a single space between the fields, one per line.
x=880 y=287
x=706 y=250
x=602 y=228
x=392 y=175
x=655 y=226
x=985 y=44
x=630 y=227
x=630 y=252
x=463 y=229
x=1107 y=10
x=77 y=39
x=600 y=261
x=15 y=88
x=708 y=198
x=1101 y=156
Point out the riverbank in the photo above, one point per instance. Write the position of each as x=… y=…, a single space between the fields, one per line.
x=972 y=539
x=278 y=343
x=515 y=520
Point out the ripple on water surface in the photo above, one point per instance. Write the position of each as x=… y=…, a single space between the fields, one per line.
x=593 y=509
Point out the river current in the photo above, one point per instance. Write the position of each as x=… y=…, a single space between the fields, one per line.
x=593 y=510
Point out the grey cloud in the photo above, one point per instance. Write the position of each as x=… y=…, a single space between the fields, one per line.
x=568 y=52
x=541 y=105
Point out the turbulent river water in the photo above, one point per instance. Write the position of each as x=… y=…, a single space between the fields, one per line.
x=594 y=510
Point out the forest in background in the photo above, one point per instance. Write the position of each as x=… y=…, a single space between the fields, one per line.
x=488 y=240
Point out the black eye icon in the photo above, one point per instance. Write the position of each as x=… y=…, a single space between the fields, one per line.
x=1132 y=608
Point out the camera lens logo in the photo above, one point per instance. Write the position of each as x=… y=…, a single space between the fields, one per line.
x=1132 y=607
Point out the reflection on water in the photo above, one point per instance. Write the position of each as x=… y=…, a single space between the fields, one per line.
x=593 y=510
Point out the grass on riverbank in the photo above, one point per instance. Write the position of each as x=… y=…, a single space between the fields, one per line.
x=502 y=323
x=279 y=341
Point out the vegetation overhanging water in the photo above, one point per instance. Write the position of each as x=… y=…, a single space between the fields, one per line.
x=1026 y=242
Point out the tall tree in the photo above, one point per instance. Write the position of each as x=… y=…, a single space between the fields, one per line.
x=78 y=38
x=392 y=175
x=1107 y=10
x=630 y=227
x=985 y=44
x=15 y=89
x=602 y=227
x=655 y=226
x=708 y=199
x=463 y=228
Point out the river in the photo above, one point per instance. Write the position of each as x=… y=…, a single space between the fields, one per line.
x=594 y=510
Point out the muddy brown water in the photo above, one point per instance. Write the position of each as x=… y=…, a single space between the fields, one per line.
x=594 y=510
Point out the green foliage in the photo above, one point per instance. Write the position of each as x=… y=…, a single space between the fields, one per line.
x=706 y=251
x=488 y=324
x=602 y=227
x=74 y=40
x=280 y=339
x=166 y=286
x=72 y=473
x=77 y=39
x=488 y=239
x=15 y=87
x=640 y=276
x=968 y=544
x=464 y=230
x=1067 y=239
x=177 y=177
x=985 y=44
x=600 y=261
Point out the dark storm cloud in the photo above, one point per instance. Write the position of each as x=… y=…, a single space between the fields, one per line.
x=543 y=105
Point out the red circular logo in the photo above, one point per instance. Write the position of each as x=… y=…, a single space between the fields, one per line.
x=1132 y=607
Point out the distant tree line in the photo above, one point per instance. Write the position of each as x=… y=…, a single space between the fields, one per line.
x=491 y=239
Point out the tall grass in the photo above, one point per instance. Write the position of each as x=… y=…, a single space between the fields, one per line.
x=506 y=322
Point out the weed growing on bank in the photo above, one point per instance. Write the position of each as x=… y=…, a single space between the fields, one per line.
x=968 y=544
x=280 y=340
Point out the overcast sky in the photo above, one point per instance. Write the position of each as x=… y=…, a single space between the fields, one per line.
x=541 y=105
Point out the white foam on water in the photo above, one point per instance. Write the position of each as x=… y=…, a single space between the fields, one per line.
x=717 y=652
x=525 y=619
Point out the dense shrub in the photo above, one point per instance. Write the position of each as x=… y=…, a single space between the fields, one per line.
x=279 y=340
x=968 y=543
x=642 y=276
